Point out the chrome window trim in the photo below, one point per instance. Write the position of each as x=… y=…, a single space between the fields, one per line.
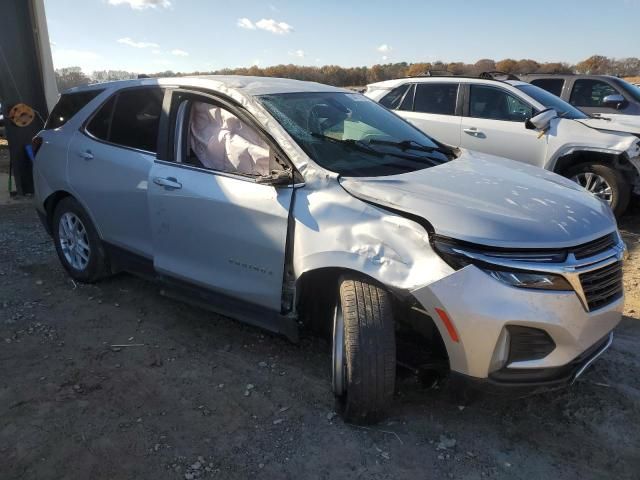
x=211 y=172
x=570 y=269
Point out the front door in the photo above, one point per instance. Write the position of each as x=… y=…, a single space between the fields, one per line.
x=213 y=223
x=588 y=95
x=494 y=123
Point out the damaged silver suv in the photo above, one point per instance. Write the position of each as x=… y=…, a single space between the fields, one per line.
x=288 y=204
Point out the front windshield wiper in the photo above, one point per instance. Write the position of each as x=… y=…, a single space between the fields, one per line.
x=360 y=145
x=405 y=145
x=349 y=142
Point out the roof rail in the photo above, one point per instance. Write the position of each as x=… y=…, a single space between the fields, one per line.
x=498 y=75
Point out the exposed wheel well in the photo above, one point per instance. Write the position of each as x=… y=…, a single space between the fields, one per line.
x=620 y=162
x=420 y=344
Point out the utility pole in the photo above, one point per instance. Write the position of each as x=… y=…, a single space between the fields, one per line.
x=26 y=76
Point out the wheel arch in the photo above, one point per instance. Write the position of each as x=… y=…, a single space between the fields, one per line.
x=573 y=157
x=316 y=290
x=54 y=199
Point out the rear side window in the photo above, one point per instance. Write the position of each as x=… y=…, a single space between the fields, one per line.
x=68 y=105
x=101 y=121
x=130 y=119
x=590 y=93
x=438 y=98
x=393 y=99
x=551 y=85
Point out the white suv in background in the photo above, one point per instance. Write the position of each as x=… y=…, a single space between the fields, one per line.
x=522 y=122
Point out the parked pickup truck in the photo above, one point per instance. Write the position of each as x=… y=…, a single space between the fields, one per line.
x=523 y=122
x=593 y=94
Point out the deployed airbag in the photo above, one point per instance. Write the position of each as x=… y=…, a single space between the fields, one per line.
x=221 y=141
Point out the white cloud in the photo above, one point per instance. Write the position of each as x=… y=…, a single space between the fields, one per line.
x=384 y=57
x=384 y=48
x=142 y=4
x=297 y=53
x=179 y=53
x=267 y=24
x=246 y=23
x=132 y=43
x=270 y=25
x=156 y=52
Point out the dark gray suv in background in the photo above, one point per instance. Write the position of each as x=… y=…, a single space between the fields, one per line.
x=593 y=94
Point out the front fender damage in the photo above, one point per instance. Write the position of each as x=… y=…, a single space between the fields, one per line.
x=336 y=230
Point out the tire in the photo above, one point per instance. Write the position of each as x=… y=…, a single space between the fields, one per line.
x=85 y=260
x=364 y=381
x=620 y=188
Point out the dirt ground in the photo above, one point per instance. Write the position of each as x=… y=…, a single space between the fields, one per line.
x=195 y=395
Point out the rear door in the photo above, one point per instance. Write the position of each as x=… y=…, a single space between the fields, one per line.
x=551 y=85
x=432 y=107
x=109 y=161
x=214 y=223
x=494 y=123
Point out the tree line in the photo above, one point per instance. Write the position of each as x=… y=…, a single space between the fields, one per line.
x=359 y=76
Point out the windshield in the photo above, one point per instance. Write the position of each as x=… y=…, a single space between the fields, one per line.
x=352 y=135
x=549 y=100
x=632 y=90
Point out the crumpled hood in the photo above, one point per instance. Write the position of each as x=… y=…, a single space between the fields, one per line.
x=614 y=123
x=492 y=201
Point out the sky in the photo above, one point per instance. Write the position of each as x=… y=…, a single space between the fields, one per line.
x=147 y=36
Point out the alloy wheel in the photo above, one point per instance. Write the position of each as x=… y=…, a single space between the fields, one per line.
x=74 y=241
x=595 y=184
x=339 y=369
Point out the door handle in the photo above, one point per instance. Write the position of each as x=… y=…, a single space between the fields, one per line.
x=474 y=132
x=169 y=183
x=87 y=155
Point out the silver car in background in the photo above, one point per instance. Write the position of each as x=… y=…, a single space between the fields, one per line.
x=284 y=203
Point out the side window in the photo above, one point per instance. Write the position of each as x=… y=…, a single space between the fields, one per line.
x=218 y=140
x=551 y=85
x=393 y=99
x=136 y=118
x=68 y=105
x=439 y=98
x=497 y=104
x=590 y=93
x=101 y=121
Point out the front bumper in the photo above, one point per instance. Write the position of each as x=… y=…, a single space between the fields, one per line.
x=480 y=307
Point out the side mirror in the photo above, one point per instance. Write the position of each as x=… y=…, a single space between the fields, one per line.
x=613 y=101
x=541 y=121
x=277 y=177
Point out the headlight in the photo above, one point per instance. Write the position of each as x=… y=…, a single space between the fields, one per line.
x=542 y=281
x=455 y=256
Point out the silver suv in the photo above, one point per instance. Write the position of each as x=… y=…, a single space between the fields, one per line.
x=288 y=204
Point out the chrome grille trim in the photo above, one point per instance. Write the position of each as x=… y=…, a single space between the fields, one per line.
x=571 y=269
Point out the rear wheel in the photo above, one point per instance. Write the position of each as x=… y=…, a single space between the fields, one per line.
x=605 y=182
x=78 y=245
x=364 y=351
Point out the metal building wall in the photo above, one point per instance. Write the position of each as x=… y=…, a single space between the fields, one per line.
x=23 y=78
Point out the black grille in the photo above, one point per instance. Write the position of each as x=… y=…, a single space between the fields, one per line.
x=528 y=343
x=594 y=247
x=602 y=286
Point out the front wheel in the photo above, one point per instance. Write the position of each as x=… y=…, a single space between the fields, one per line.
x=605 y=182
x=364 y=351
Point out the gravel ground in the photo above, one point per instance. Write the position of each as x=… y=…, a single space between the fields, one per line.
x=196 y=395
